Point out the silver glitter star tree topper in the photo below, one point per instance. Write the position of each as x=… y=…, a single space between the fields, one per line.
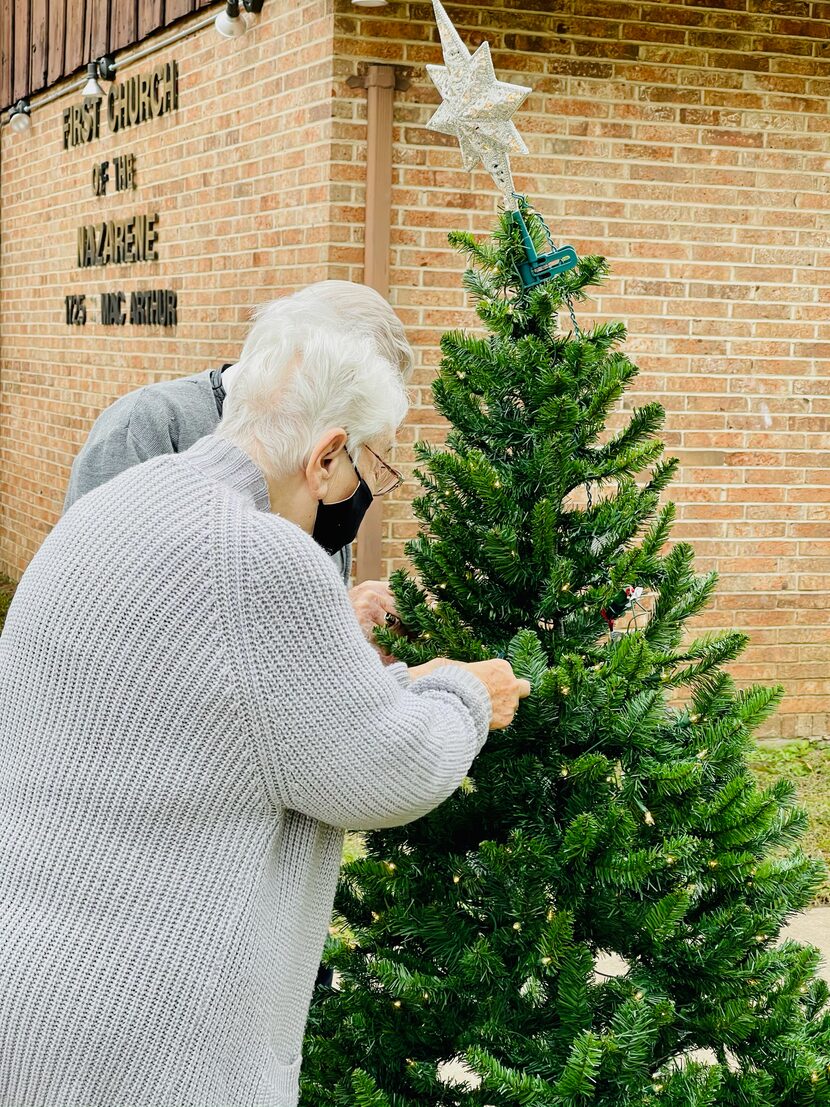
x=477 y=109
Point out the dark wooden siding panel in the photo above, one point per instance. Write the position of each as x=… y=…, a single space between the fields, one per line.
x=150 y=16
x=6 y=51
x=22 y=48
x=122 y=24
x=98 y=18
x=39 y=53
x=75 y=37
x=175 y=9
x=57 y=39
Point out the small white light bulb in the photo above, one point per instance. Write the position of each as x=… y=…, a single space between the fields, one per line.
x=92 y=90
x=20 y=120
x=228 y=22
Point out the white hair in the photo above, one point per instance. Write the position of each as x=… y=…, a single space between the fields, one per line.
x=331 y=355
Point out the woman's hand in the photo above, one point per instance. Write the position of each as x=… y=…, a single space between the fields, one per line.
x=505 y=688
x=372 y=601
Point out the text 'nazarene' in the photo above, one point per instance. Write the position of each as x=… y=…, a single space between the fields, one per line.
x=118 y=241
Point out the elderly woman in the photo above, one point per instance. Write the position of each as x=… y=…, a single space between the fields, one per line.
x=189 y=714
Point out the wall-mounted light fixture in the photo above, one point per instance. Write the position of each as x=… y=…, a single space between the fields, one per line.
x=370 y=3
x=92 y=90
x=230 y=23
x=20 y=119
x=104 y=68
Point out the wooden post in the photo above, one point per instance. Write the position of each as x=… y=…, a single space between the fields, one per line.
x=380 y=83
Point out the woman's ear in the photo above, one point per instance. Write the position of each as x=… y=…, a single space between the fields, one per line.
x=323 y=455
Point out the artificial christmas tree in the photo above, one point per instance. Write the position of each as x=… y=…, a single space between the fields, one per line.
x=617 y=813
x=603 y=819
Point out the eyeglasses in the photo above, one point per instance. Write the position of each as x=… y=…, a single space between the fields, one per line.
x=389 y=480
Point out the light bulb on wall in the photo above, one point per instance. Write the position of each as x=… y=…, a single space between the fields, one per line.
x=92 y=90
x=228 y=22
x=19 y=118
x=369 y=3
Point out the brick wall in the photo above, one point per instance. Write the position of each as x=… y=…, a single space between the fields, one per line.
x=688 y=142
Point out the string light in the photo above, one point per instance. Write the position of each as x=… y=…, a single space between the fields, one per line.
x=638 y=996
x=713 y=864
x=694 y=718
x=671 y=859
x=565 y=587
x=701 y=755
x=517 y=926
x=563 y=772
x=396 y=1003
x=375 y=916
x=456 y=879
x=564 y=689
x=551 y=914
x=390 y=866
x=648 y=818
x=546 y=960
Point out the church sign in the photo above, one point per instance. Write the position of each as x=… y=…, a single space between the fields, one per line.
x=134 y=239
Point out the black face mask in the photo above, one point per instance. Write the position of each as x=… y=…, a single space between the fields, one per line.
x=337 y=524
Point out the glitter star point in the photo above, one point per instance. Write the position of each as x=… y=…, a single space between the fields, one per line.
x=476 y=108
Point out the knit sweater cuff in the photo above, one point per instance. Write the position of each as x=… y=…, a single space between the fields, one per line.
x=470 y=690
x=400 y=671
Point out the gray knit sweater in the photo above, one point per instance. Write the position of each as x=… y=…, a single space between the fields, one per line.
x=189 y=712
